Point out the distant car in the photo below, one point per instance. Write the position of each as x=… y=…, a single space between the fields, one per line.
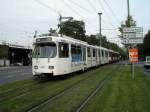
x=147 y=62
x=18 y=64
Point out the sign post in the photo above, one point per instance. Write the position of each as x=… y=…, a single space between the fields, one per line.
x=133 y=57
x=131 y=37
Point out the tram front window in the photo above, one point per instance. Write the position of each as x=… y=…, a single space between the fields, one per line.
x=45 y=50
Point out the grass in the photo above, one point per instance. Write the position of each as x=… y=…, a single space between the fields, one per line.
x=122 y=94
x=23 y=98
x=72 y=99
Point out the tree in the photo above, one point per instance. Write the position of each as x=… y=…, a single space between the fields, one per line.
x=144 y=49
x=128 y=23
x=92 y=40
x=74 y=29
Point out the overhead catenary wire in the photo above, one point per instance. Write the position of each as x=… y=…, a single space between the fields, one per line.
x=47 y=6
x=81 y=7
x=109 y=7
x=75 y=11
x=104 y=10
x=92 y=6
x=65 y=3
x=95 y=10
x=55 y=11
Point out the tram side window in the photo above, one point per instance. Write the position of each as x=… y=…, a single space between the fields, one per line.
x=76 y=53
x=99 y=52
x=73 y=52
x=94 y=53
x=106 y=54
x=63 y=50
x=89 y=52
x=79 y=53
x=84 y=54
x=102 y=53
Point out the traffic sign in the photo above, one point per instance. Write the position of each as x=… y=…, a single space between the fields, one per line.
x=132 y=41
x=132 y=29
x=133 y=55
x=129 y=35
x=132 y=35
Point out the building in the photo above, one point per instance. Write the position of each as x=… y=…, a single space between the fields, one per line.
x=11 y=54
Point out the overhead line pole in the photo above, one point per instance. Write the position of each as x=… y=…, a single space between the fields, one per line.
x=132 y=46
x=128 y=8
x=100 y=30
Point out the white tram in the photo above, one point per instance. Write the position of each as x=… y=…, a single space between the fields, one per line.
x=54 y=55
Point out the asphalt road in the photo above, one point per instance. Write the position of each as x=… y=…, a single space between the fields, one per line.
x=145 y=70
x=11 y=74
x=140 y=64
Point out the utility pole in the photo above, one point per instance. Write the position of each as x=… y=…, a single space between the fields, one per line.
x=128 y=8
x=132 y=46
x=100 y=30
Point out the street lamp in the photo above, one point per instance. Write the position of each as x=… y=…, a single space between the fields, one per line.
x=100 y=43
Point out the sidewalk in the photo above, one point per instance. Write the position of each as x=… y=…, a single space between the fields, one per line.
x=12 y=67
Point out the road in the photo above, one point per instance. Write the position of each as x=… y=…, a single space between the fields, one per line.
x=11 y=74
x=140 y=64
x=145 y=70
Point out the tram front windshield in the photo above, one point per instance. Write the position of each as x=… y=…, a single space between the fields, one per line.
x=45 y=50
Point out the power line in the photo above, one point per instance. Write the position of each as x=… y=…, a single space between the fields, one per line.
x=109 y=29
x=101 y=5
x=109 y=23
x=92 y=6
x=87 y=10
x=111 y=10
x=95 y=10
x=47 y=6
x=83 y=8
x=71 y=8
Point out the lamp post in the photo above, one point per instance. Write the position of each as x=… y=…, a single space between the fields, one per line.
x=100 y=30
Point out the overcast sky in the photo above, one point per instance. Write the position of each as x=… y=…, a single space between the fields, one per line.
x=20 y=18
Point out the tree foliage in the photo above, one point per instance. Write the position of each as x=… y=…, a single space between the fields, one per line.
x=144 y=49
x=128 y=23
x=74 y=29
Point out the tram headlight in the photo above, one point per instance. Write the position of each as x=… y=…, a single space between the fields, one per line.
x=35 y=67
x=51 y=67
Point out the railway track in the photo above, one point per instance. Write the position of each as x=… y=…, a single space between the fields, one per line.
x=15 y=88
x=97 y=89
x=22 y=91
x=58 y=95
x=33 y=86
x=51 y=98
x=5 y=94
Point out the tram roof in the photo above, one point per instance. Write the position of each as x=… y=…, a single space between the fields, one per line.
x=75 y=41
